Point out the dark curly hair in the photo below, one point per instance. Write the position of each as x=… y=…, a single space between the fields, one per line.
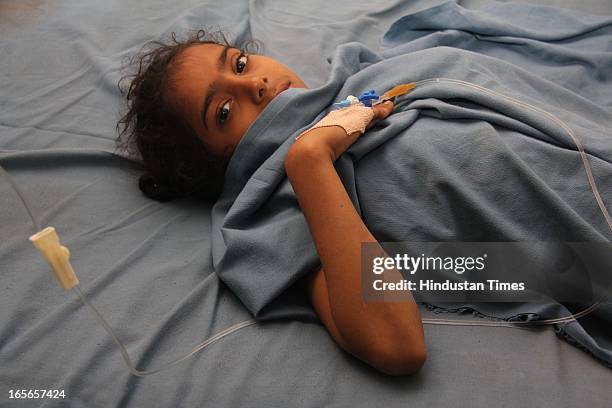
x=175 y=160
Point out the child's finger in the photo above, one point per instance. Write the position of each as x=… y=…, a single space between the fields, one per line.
x=382 y=110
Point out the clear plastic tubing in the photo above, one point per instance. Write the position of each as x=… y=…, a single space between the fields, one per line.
x=563 y=125
x=249 y=322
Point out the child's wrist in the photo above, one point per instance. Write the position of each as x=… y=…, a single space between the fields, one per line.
x=353 y=119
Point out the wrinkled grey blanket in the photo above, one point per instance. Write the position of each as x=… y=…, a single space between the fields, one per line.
x=452 y=163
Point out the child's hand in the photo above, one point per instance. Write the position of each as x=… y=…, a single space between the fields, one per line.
x=330 y=138
x=381 y=111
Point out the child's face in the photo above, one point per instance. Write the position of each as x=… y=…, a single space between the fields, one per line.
x=220 y=92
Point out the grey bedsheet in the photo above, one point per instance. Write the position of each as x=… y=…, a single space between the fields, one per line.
x=147 y=265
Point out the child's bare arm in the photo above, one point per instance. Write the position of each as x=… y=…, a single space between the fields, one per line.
x=387 y=335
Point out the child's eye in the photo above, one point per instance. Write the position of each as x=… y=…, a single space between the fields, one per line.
x=224 y=112
x=241 y=62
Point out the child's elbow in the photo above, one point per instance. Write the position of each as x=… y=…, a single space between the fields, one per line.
x=400 y=361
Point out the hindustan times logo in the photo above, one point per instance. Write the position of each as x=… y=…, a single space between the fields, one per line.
x=412 y=264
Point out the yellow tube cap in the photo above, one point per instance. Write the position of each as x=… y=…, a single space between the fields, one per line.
x=398 y=90
x=56 y=255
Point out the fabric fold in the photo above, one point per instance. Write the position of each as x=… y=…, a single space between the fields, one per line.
x=477 y=153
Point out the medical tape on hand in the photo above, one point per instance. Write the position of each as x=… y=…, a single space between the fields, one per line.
x=354 y=118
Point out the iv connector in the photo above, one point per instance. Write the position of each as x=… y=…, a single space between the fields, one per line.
x=56 y=255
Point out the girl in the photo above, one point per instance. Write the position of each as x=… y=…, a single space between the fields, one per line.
x=190 y=103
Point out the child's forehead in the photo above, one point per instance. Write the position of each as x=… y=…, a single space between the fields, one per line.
x=199 y=53
x=195 y=59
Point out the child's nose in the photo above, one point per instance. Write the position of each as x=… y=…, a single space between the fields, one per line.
x=256 y=87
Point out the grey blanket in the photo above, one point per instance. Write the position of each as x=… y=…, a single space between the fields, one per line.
x=452 y=163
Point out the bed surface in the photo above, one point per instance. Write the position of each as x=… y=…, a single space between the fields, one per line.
x=147 y=265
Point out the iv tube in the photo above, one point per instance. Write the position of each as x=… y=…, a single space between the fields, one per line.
x=231 y=329
x=107 y=327
x=563 y=125
x=124 y=352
